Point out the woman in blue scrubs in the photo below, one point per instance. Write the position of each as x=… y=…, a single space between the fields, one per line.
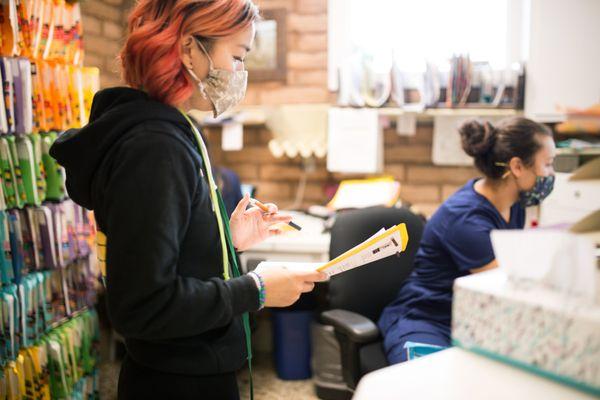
x=515 y=158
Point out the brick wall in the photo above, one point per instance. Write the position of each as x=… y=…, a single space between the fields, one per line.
x=103 y=31
x=406 y=158
x=306 y=23
x=104 y=23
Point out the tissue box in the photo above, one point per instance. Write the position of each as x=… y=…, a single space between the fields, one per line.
x=530 y=326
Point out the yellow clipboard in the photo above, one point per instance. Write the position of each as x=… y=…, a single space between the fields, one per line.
x=401 y=229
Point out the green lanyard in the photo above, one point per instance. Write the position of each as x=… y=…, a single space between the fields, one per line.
x=225 y=235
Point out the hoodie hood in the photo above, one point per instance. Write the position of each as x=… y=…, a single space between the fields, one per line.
x=114 y=112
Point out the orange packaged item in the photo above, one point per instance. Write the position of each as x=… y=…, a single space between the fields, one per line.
x=46 y=29
x=40 y=122
x=57 y=44
x=24 y=29
x=9 y=28
x=50 y=103
x=90 y=85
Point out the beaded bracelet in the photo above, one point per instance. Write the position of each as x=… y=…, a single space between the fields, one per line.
x=261 y=291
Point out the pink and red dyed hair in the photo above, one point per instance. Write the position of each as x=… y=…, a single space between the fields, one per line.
x=151 y=56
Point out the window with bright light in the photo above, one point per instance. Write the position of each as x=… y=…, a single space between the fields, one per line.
x=414 y=32
x=418 y=30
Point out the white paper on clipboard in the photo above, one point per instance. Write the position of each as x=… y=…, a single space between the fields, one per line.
x=384 y=243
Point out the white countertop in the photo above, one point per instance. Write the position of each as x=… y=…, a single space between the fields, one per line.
x=456 y=374
x=310 y=239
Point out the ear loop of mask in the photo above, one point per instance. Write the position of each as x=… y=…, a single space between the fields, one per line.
x=199 y=82
x=210 y=67
x=502 y=164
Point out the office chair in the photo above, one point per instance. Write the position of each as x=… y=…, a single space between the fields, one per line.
x=355 y=299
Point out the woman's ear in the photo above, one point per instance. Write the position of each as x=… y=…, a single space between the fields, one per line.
x=186 y=51
x=516 y=166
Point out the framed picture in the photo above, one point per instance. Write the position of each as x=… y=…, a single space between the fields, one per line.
x=266 y=61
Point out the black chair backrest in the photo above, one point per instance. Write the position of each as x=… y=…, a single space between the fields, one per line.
x=367 y=290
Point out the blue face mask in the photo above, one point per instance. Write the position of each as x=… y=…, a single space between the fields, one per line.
x=542 y=188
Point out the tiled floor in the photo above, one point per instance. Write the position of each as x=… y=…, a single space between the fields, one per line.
x=266 y=384
x=109 y=376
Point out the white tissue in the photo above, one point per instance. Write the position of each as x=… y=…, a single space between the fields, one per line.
x=555 y=258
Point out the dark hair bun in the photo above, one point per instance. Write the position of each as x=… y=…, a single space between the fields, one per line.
x=477 y=138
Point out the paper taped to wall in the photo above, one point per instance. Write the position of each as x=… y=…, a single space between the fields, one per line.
x=362 y=193
x=354 y=141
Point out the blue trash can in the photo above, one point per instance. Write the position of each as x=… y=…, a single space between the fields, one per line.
x=292 y=344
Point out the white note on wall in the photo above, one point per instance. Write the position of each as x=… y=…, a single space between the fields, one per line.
x=447 y=148
x=354 y=141
x=406 y=124
x=232 y=136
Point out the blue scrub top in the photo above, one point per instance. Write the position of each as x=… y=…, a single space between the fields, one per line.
x=456 y=240
x=231 y=188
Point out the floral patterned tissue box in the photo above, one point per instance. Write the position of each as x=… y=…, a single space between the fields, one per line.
x=544 y=331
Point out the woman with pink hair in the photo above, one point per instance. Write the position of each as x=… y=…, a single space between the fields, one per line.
x=174 y=289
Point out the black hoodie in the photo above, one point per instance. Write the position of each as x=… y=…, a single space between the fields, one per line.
x=136 y=164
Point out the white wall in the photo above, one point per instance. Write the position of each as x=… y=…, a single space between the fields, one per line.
x=563 y=67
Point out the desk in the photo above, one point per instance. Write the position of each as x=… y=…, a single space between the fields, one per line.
x=458 y=374
x=308 y=245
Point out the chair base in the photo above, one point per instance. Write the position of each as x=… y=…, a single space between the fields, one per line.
x=332 y=393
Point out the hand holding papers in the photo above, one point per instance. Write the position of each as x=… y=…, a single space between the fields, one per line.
x=383 y=244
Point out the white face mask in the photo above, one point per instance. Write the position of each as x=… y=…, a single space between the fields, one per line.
x=222 y=87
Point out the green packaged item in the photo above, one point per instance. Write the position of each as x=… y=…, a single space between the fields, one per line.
x=28 y=170
x=55 y=175
x=40 y=173
x=2 y=197
x=20 y=186
x=8 y=174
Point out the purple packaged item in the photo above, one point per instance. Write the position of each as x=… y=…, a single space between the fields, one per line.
x=18 y=99
x=26 y=116
x=45 y=222
x=27 y=239
x=69 y=211
x=82 y=229
x=34 y=230
x=64 y=253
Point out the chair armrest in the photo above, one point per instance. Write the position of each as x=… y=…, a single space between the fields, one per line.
x=352 y=331
x=356 y=327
